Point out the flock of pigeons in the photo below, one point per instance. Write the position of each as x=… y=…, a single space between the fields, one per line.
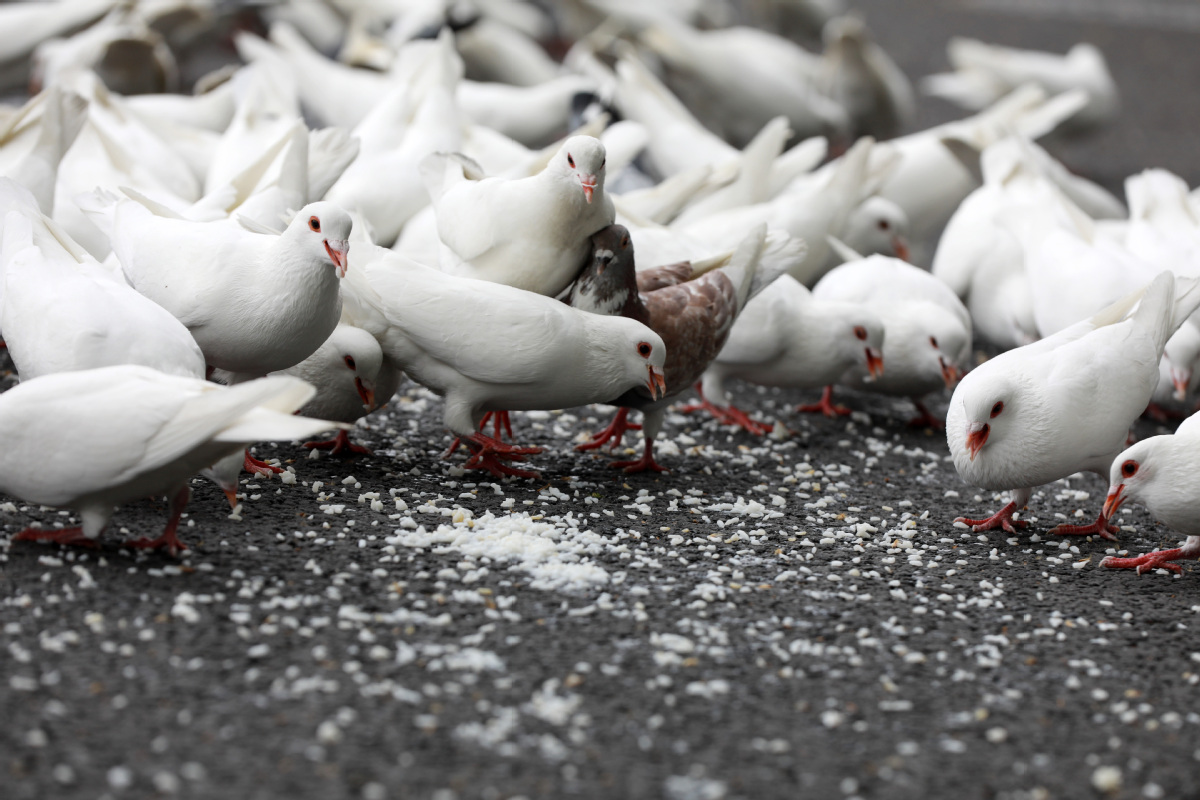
x=387 y=189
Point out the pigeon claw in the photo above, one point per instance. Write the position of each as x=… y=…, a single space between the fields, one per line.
x=491 y=454
x=925 y=419
x=69 y=536
x=644 y=464
x=1101 y=527
x=731 y=415
x=615 y=432
x=256 y=467
x=826 y=406
x=338 y=445
x=1147 y=562
x=1001 y=519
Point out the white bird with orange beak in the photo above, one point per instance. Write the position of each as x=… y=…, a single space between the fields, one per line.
x=1064 y=404
x=531 y=233
x=1161 y=473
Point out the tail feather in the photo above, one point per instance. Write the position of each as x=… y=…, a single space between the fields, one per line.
x=745 y=264
x=780 y=256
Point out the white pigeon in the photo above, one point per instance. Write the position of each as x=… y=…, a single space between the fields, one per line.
x=1161 y=473
x=61 y=311
x=1064 y=404
x=30 y=24
x=986 y=72
x=352 y=379
x=128 y=54
x=856 y=73
x=532 y=233
x=255 y=303
x=786 y=337
x=96 y=439
x=34 y=140
x=515 y=350
x=927 y=339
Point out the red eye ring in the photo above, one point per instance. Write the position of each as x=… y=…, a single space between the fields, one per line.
x=350 y=362
x=644 y=349
x=882 y=225
x=933 y=341
x=570 y=160
x=1129 y=468
x=860 y=332
x=315 y=224
x=997 y=409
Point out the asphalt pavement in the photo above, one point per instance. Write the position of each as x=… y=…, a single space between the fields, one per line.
x=793 y=616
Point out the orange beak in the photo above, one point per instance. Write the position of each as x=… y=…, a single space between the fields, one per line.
x=950 y=373
x=977 y=436
x=231 y=496
x=339 y=256
x=1180 y=379
x=367 y=395
x=874 y=362
x=1114 y=500
x=900 y=248
x=589 y=186
x=657 y=384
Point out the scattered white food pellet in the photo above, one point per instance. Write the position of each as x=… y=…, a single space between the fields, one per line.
x=1107 y=779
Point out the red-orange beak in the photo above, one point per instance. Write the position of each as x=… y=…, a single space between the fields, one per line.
x=874 y=362
x=367 y=395
x=339 y=255
x=657 y=384
x=950 y=373
x=1180 y=378
x=1114 y=500
x=900 y=248
x=977 y=436
x=589 y=185
x=231 y=496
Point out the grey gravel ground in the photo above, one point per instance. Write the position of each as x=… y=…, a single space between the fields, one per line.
x=794 y=616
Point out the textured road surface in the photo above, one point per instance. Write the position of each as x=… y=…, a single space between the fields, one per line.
x=794 y=616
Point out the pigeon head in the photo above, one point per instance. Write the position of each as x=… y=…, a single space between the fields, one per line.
x=609 y=279
x=351 y=358
x=990 y=406
x=878 y=225
x=581 y=159
x=948 y=343
x=1180 y=358
x=1131 y=474
x=859 y=340
x=325 y=229
x=625 y=355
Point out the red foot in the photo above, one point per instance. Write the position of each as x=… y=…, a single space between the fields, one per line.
x=167 y=539
x=1001 y=519
x=826 y=406
x=1100 y=527
x=1161 y=413
x=256 y=467
x=498 y=418
x=615 y=431
x=338 y=445
x=72 y=536
x=728 y=416
x=924 y=419
x=643 y=464
x=1159 y=558
x=490 y=454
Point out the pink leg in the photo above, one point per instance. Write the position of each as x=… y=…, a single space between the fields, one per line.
x=615 y=431
x=731 y=415
x=1158 y=558
x=338 y=445
x=256 y=467
x=498 y=418
x=1001 y=519
x=643 y=464
x=490 y=454
x=826 y=406
x=1101 y=527
x=924 y=419
x=167 y=539
x=1161 y=414
x=72 y=536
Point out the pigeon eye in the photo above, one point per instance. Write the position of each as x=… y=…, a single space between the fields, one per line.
x=997 y=409
x=315 y=224
x=624 y=241
x=644 y=349
x=603 y=161
x=933 y=341
x=860 y=332
x=882 y=225
x=350 y=362
x=1129 y=468
x=570 y=160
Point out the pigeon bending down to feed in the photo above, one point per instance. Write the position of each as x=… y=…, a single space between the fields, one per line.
x=127 y=432
x=786 y=337
x=1163 y=474
x=927 y=330
x=1064 y=404
x=693 y=317
x=531 y=233
x=352 y=379
x=516 y=350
